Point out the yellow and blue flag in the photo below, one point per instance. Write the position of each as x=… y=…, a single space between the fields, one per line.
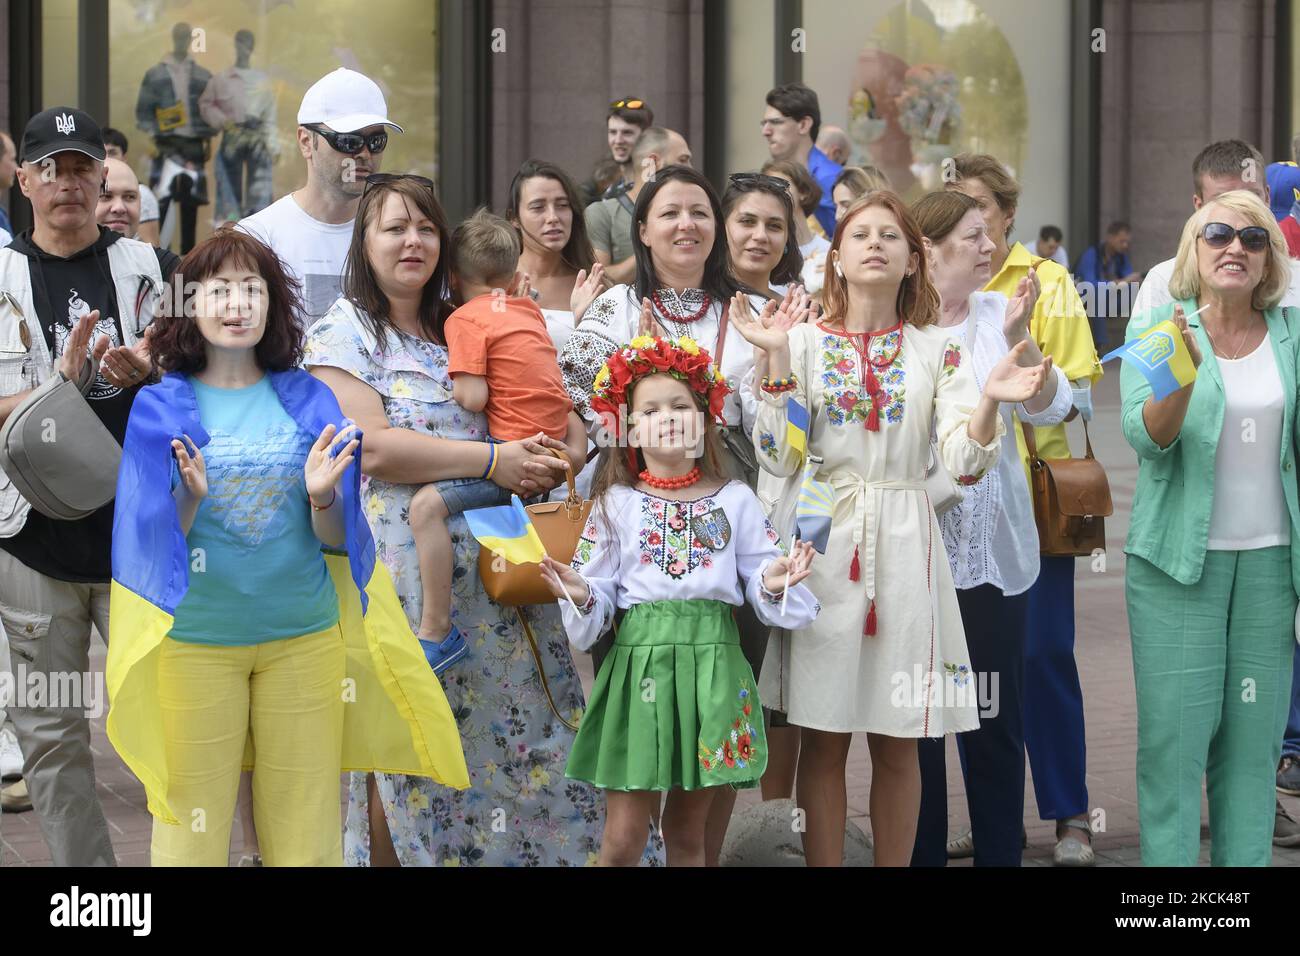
x=1162 y=358
x=796 y=426
x=814 y=510
x=508 y=531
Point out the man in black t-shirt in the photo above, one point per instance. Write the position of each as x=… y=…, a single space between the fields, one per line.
x=60 y=285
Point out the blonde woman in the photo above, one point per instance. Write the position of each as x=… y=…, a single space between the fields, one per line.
x=1214 y=553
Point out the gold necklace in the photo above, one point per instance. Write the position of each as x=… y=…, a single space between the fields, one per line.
x=1241 y=339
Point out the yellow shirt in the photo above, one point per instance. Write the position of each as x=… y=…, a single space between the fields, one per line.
x=1060 y=327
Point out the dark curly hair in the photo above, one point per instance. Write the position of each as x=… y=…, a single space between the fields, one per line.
x=178 y=344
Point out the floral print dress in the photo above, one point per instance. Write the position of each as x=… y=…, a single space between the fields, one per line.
x=520 y=810
x=888 y=654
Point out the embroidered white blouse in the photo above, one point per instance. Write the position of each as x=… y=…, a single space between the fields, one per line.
x=639 y=547
x=612 y=321
x=991 y=537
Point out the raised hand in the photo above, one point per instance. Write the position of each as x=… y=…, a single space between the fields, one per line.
x=194 y=473
x=1011 y=382
x=326 y=464
x=647 y=324
x=798 y=563
x=764 y=331
x=1189 y=337
x=586 y=289
x=72 y=362
x=564 y=582
x=1020 y=308
x=796 y=308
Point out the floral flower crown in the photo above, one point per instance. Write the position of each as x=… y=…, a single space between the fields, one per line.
x=682 y=358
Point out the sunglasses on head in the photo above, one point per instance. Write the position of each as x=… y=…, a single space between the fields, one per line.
x=1219 y=235
x=379 y=179
x=759 y=179
x=628 y=104
x=352 y=143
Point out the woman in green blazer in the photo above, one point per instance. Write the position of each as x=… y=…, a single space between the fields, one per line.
x=1214 y=548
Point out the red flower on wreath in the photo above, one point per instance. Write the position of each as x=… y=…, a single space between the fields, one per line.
x=682 y=358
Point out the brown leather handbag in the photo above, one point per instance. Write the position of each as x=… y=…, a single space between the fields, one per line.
x=559 y=524
x=1071 y=500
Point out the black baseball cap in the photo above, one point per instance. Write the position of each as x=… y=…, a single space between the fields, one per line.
x=59 y=130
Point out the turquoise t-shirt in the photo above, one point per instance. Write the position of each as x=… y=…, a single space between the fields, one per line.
x=256 y=570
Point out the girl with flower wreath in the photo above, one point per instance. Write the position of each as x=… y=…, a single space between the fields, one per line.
x=679 y=548
x=889 y=658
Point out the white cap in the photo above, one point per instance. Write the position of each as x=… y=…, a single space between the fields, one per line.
x=345 y=101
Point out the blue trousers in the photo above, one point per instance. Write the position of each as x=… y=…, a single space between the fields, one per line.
x=1053 y=699
x=1291 y=742
x=993 y=757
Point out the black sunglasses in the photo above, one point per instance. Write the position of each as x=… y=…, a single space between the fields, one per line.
x=380 y=179
x=759 y=179
x=352 y=143
x=1219 y=235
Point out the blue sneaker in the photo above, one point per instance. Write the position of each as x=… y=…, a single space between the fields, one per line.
x=441 y=656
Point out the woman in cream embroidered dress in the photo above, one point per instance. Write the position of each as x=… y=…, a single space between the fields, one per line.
x=888 y=656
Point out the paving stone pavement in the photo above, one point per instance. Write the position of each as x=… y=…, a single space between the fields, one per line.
x=1105 y=667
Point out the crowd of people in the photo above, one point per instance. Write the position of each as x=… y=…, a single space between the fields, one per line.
x=311 y=401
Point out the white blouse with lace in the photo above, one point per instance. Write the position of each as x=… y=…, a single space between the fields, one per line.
x=991 y=537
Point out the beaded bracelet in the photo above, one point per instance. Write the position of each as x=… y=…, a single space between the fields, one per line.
x=776 y=386
x=334 y=493
x=492 y=460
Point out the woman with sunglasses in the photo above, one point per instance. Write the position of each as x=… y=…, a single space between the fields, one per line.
x=311 y=229
x=759 y=218
x=382 y=350
x=1214 y=542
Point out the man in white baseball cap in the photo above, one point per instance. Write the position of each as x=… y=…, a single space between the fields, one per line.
x=342 y=133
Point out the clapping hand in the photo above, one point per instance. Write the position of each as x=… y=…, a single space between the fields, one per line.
x=1011 y=382
x=326 y=463
x=1020 y=309
x=769 y=330
x=1189 y=337
x=585 y=290
x=194 y=473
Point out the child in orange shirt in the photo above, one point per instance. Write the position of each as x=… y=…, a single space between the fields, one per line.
x=502 y=362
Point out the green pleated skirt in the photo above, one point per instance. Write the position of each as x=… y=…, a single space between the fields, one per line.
x=675 y=704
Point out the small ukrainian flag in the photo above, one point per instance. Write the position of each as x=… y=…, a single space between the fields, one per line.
x=1162 y=358
x=815 y=509
x=796 y=426
x=508 y=531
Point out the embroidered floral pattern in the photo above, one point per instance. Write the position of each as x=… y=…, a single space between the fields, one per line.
x=846 y=401
x=970 y=479
x=668 y=539
x=582 y=554
x=960 y=673
x=737 y=749
x=767 y=445
x=951 y=358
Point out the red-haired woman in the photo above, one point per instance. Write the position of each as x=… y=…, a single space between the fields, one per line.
x=888 y=656
x=229 y=626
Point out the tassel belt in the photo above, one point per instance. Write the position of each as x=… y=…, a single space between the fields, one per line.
x=866 y=526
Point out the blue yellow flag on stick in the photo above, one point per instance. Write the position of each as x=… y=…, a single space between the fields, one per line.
x=796 y=426
x=1162 y=358
x=815 y=509
x=508 y=531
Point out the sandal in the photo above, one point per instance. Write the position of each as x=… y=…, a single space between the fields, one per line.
x=1070 y=850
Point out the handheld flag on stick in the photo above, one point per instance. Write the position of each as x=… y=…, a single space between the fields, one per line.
x=508 y=531
x=815 y=509
x=796 y=426
x=1161 y=356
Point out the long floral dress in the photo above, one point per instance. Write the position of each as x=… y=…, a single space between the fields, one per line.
x=520 y=809
x=888 y=653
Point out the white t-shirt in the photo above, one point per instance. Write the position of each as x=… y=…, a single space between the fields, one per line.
x=313 y=251
x=149 y=211
x=1249 y=509
x=1058 y=256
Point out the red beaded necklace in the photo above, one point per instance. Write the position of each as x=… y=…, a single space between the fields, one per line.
x=861 y=342
x=671 y=484
x=682 y=319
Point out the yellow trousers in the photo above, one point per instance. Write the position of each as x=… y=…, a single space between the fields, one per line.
x=289 y=695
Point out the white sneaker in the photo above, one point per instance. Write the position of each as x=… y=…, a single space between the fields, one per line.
x=11 y=758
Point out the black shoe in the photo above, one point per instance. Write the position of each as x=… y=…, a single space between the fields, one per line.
x=1286 y=832
x=1288 y=776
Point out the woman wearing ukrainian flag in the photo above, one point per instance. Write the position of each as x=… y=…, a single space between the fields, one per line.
x=250 y=622
x=1213 y=545
x=678 y=547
